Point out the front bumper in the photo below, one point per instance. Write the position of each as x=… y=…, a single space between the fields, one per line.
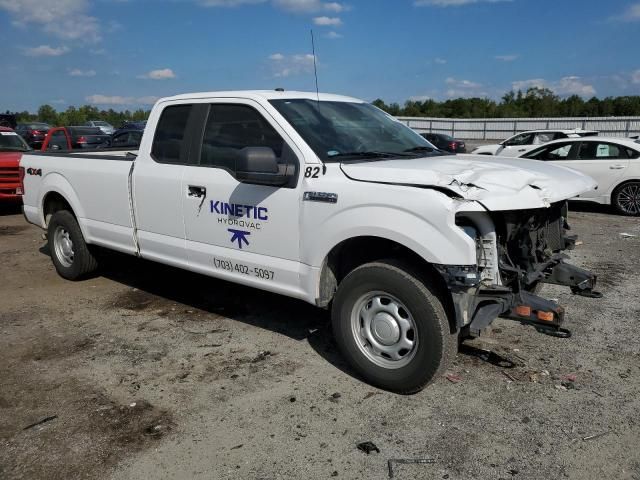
x=477 y=304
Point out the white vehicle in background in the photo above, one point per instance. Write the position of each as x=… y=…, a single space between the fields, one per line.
x=526 y=141
x=105 y=127
x=614 y=163
x=329 y=200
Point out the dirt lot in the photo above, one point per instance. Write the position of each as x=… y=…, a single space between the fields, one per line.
x=154 y=373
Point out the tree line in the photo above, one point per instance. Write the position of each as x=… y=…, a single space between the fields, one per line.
x=79 y=116
x=534 y=103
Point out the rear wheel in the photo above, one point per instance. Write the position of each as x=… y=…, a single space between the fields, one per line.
x=69 y=252
x=626 y=198
x=391 y=327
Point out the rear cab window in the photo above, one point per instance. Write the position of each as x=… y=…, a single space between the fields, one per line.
x=169 y=140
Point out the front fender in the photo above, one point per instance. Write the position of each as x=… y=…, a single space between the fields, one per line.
x=436 y=239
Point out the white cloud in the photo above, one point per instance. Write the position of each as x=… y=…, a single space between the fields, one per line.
x=635 y=77
x=570 y=85
x=573 y=86
x=310 y=6
x=99 y=99
x=439 y=61
x=420 y=98
x=76 y=72
x=160 y=74
x=452 y=3
x=631 y=14
x=229 y=3
x=45 y=51
x=524 y=84
x=294 y=6
x=333 y=35
x=507 y=58
x=327 y=21
x=290 y=65
x=66 y=19
x=464 y=88
x=461 y=83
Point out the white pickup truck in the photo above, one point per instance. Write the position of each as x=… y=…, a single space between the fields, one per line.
x=330 y=200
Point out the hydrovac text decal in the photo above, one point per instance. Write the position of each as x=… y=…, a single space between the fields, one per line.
x=239 y=219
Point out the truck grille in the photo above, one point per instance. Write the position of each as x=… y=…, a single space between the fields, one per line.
x=9 y=175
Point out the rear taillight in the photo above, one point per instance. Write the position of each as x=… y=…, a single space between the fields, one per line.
x=452 y=145
x=20 y=189
x=81 y=140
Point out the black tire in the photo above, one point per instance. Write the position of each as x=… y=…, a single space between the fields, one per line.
x=435 y=344
x=73 y=260
x=626 y=199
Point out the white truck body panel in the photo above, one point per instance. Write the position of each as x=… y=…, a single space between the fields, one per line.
x=412 y=202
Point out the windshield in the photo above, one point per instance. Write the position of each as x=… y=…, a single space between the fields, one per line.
x=338 y=130
x=101 y=124
x=12 y=142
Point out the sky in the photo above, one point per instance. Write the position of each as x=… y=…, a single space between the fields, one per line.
x=124 y=54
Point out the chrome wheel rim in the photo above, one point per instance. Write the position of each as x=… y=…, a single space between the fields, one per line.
x=384 y=330
x=63 y=246
x=629 y=198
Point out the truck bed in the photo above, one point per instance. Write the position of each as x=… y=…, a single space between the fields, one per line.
x=95 y=182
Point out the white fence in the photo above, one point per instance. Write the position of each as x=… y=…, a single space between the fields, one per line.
x=501 y=128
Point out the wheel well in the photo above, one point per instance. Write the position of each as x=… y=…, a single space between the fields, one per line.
x=54 y=202
x=351 y=253
x=617 y=187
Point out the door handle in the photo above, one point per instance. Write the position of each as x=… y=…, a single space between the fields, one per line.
x=616 y=167
x=195 y=191
x=522 y=150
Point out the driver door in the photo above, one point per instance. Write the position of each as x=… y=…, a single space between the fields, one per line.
x=243 y=232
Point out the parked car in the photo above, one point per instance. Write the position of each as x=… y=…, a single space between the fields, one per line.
x=446 y=142
x=12 y=146
x=523 y=142
x=73 y=138
x=34 y=133
x=105 y=127
x=326 y=199
x=126 y=139
x=613 y=162
x=8 y=120
x=132 y=126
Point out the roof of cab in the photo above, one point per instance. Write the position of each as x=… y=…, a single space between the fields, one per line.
x=263 y=95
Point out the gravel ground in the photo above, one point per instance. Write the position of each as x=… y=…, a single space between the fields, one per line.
x=149 y=372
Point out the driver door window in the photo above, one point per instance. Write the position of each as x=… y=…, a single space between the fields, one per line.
x=231 y=128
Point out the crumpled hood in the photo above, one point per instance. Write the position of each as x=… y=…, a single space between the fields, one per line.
x=498 y=183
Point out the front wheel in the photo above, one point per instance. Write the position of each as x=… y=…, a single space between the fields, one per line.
x=391 y=327
x=69 y=252
x=626 y=199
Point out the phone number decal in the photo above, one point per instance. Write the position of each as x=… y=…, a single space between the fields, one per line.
x=229 y=266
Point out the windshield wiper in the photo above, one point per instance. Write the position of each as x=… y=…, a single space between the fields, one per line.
x=369 y=154
x=420 y=149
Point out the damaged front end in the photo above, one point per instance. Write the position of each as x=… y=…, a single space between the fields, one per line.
x=516 y=252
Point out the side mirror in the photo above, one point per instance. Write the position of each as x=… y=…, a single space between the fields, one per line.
x=259 y=165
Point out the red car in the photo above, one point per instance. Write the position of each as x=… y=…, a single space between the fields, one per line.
x=12 y=146
x=73 y=138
